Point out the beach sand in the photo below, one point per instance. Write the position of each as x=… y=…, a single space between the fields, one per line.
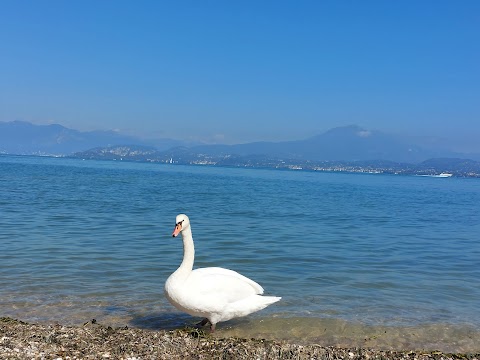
x=20 y=340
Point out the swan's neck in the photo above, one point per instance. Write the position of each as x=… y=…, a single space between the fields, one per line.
x=188 y=252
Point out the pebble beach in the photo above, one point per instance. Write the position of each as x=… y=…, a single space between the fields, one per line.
x=21 y=340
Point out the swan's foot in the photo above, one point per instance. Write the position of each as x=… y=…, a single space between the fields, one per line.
x=203 y=322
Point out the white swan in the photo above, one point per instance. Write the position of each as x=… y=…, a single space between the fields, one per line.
x=214 y=293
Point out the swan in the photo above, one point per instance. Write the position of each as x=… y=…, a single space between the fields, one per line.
x=215 y=294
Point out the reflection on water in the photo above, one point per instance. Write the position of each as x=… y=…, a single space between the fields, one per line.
x=335 y=332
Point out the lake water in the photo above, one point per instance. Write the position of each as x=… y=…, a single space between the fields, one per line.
x=359 y=260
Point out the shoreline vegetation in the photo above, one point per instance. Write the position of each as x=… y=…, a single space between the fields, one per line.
x=21 y=340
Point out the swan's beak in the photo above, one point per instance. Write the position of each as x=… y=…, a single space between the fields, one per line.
x=177 y=229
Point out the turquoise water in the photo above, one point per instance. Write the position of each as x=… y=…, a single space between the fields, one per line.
x=349 y=253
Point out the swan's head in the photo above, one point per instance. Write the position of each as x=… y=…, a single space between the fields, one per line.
x=181 y=223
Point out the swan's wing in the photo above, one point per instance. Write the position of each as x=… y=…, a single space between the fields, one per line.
x=224 y=283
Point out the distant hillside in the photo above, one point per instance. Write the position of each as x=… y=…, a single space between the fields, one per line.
x=119 y=152
x=453 y=165
x=19 y=137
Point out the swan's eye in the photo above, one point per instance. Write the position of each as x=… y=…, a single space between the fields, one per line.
x=179 y=223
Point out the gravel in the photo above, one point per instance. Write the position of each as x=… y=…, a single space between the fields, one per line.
x=20 y=340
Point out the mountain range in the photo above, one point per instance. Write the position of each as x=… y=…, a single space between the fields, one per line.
x=348 y=143
x=24 y=138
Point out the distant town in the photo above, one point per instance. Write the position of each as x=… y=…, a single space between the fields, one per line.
x=439 y=167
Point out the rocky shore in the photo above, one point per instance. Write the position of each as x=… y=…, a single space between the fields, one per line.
x=20 y=340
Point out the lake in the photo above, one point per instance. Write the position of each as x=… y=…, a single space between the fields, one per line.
x=359 y=259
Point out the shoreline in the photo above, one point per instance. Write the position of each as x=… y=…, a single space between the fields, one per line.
x=21 y=340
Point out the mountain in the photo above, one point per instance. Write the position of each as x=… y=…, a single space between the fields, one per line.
x=349 y=143
x=20 y=137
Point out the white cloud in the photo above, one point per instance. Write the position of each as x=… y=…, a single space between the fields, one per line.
x=364 y=133
x=218 y=137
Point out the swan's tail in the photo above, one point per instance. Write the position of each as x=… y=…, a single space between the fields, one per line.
x=250 y=305
x=270 y=299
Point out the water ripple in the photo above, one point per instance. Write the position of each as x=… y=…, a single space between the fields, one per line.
x=93 y=239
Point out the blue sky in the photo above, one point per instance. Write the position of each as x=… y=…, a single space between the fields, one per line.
x=230 y=72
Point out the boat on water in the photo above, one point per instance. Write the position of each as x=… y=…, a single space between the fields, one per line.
x=441 y=175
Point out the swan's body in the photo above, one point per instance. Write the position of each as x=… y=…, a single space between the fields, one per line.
x=214 y=293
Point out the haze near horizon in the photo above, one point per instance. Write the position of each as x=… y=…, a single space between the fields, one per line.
x=229 y=73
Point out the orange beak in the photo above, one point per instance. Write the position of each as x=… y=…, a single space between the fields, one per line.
x=177 y=229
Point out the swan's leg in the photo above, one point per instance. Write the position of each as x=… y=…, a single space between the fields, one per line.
x=203 y=322
x=212 y=327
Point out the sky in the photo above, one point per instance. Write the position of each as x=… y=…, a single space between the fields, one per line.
x=240 y=71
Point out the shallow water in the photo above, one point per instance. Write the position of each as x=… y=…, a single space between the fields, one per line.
x=363 y=253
